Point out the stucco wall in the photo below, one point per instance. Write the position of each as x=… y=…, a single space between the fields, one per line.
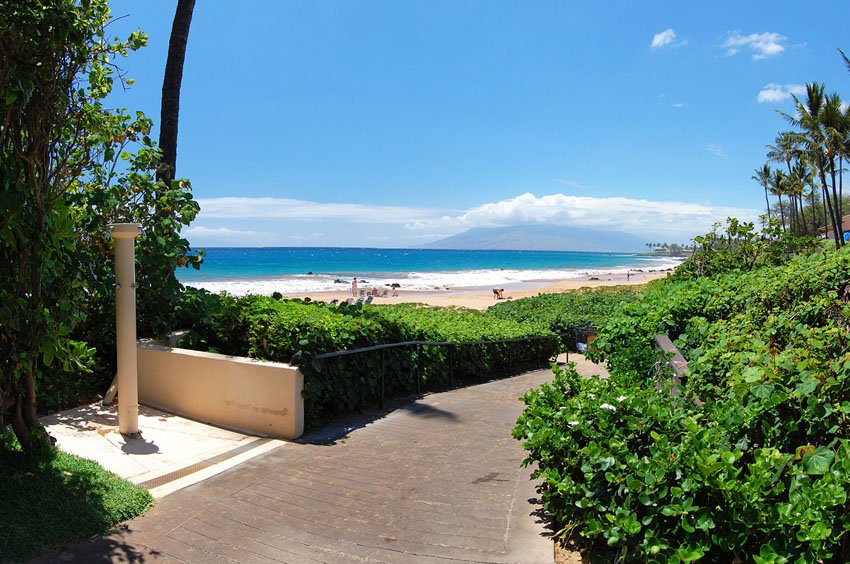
x=263 y=398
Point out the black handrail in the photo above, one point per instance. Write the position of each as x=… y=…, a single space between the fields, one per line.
x=298 y=358
x=416 y=369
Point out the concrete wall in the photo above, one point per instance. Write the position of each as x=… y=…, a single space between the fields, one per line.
x=262 y=398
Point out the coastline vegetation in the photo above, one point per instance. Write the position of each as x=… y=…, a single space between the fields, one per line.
x=565 y=312
x=277 y=330
x=751 y=460
x=748 y=458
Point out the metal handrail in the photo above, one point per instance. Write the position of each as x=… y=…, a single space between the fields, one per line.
x=676 y=362
x=296 y=359
x=416 y=373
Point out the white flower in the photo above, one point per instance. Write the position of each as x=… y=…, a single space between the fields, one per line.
x=572 y=423
x=591 y=396
x=621 y=398
x=608 y=406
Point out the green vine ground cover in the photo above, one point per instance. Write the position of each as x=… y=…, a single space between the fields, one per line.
x=757 y=470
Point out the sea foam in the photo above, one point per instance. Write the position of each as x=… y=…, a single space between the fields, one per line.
x=418 y=281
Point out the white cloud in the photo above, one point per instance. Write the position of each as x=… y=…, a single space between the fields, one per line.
x=716 y=150
x=217 y=231
x=277 y=221
x=773 y=93
x=641 y=217
x=763 y=45
x=678 y=105
x=200 y=235
x=664 y=39
x=303 y=210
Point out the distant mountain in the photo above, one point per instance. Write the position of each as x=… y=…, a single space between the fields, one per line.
x=541 y=238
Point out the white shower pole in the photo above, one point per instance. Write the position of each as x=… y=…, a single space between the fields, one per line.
x=125 y=325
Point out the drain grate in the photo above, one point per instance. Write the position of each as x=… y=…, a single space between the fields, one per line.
x=191 y=469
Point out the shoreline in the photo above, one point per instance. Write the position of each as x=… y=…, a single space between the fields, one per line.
x=481 y=297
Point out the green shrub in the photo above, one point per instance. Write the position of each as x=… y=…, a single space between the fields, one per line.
x=758 y=469
x=567 y=311
x=277 y=330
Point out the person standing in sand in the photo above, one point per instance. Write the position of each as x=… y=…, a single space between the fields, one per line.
x=354 y=287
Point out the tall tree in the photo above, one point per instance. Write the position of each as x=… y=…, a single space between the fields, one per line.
x=797 y=187
x=786 y=150
x=171 y=84
x=817 y=118
x=762 y=176
x=777 y=188
x=55 y=68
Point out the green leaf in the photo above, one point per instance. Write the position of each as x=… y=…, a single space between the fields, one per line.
x=690 y=553
x=818 y=462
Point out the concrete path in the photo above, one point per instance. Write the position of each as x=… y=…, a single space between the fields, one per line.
x=172 y=453
x=437 y=480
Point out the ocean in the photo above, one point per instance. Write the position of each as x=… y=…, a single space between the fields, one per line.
x=290 y=270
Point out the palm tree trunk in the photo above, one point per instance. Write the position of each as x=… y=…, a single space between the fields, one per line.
x=170 y=110
x=829 y=206
x=792 y=213
x=814 y=210
x=824 y=200
x=837 y=226
x=841 y=190
x=767 y=204
x=781 y=212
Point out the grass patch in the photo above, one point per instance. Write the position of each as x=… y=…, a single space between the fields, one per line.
x=55 y=498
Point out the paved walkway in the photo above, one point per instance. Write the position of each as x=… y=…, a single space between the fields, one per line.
x=437 y=480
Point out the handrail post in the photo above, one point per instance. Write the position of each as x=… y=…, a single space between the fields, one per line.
x=451 y=369
x=418 y=374
x=677 y=362
x=383 y=376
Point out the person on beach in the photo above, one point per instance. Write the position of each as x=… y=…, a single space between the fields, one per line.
x=354 y=287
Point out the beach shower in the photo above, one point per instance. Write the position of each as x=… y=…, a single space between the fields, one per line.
x=125 y=326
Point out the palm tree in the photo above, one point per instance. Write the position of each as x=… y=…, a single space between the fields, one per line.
x=834 y=129
x=170 y=110
x=797 y=187
x=777 y=188
x=762 y=176
x=817 y=119
x=786 y=150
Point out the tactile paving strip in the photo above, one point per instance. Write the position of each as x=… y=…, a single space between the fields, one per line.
x=191 y=469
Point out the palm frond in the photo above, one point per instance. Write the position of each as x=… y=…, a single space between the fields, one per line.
x=846 y=60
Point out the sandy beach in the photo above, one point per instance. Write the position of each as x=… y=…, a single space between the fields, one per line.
x=482 y=297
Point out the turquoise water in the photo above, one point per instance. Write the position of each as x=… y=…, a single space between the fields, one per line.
x=305 y=269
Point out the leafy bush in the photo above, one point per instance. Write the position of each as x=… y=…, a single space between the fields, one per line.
x=277 y=330
x=738 y=246
x=758 y=469
x=567 y=311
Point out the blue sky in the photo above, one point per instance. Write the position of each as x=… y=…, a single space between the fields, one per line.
x=388 y=124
